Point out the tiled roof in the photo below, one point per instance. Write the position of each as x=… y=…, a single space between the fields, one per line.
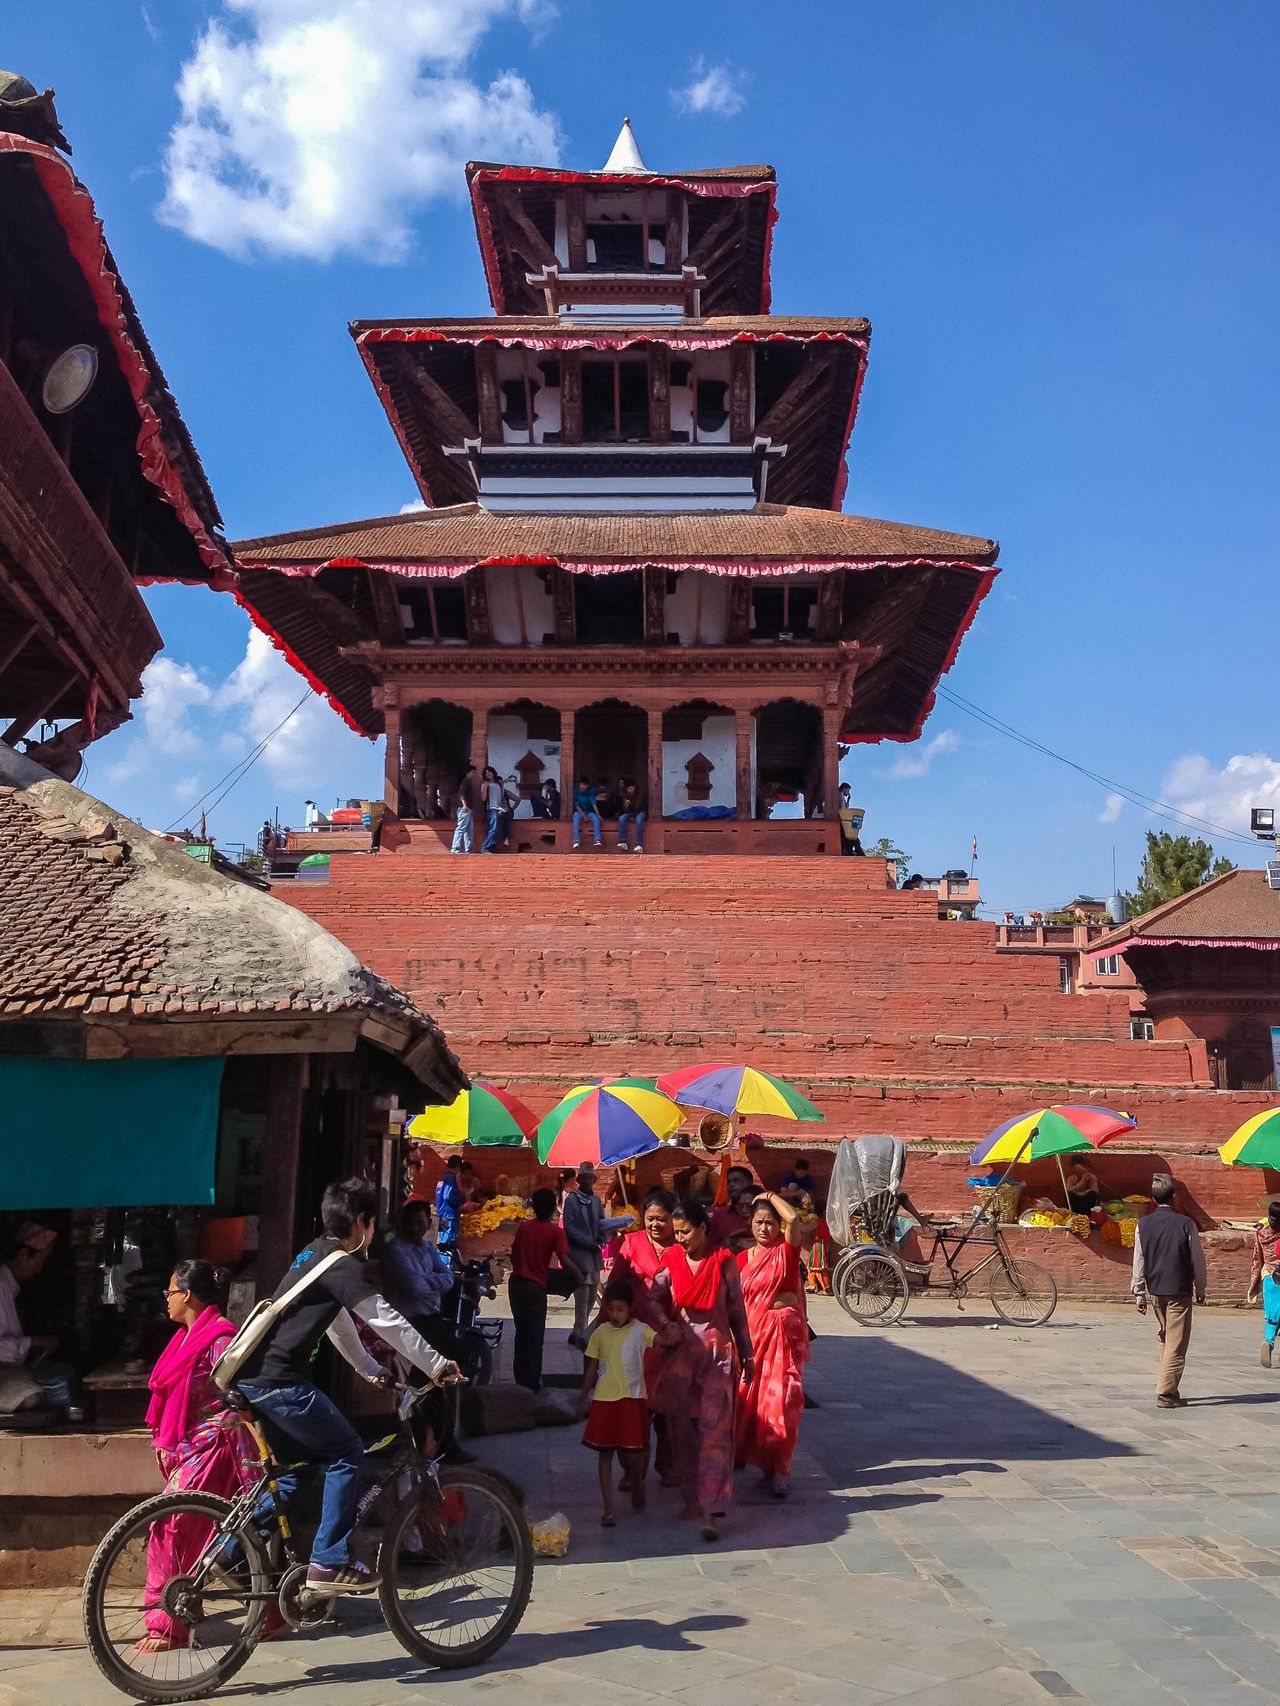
x=465 y=534
x=1237 y=909
x=512 y=328
x=101 y=917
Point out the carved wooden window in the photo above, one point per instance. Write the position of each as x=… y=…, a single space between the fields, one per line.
x=698 y=770
x=434 y=610
x=615 y=401
x=782 y=611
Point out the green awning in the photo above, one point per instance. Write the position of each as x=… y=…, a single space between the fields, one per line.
x=108 y=1133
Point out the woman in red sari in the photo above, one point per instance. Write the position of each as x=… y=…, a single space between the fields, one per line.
x=707 y=1350
x=772 y=1399
x=639 y=1256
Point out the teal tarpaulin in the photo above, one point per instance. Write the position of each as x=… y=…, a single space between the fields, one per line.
x=107 y=1133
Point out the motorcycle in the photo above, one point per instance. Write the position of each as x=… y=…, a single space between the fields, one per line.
x=459 y=1331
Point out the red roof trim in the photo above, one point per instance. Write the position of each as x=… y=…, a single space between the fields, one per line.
x=589 y=338
x=980 y=592
x=1270 y=944
x=452 y=570
x=74 y=208
x=286 y=650
x=648 y=180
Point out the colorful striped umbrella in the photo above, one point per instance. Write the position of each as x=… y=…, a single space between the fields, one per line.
x=482 y=1115
x=1256 y=1143
x=737 y=1090
x=606 y=1123
x=1050 y=1131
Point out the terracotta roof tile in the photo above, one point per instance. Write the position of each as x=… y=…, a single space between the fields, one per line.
x=1235 y=909
x=462 y=535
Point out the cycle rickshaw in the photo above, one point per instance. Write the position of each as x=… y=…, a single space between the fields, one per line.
x=872 y=1282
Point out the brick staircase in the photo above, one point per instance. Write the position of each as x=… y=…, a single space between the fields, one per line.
x=547 y=970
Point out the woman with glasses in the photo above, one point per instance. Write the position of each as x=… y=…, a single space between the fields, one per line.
x=198 y=1442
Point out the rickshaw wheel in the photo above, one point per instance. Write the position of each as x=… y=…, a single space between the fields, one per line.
x=871 y=1287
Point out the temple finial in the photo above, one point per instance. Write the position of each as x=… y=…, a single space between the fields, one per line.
x=625 y=156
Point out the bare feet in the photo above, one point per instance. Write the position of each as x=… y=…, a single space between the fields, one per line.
x=637 y=1496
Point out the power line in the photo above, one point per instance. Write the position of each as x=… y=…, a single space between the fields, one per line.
x=239 y=770
x=1135 y=797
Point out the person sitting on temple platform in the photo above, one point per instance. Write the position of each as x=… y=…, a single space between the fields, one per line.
x=546 y=805
x=584 y=806
x=850 y=841
x=634 y=809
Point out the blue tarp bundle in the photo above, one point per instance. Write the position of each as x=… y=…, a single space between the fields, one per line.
x=108 y=1133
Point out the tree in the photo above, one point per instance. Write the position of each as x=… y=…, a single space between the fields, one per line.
x=1174 y=865
x=887 y=848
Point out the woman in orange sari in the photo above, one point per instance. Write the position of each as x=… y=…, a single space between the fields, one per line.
x=771 y=1400
x=638 y=1259
x=707 y=1350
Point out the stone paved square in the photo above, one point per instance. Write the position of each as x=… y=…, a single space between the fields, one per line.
x=977 y=1517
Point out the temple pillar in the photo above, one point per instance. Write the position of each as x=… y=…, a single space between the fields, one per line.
x=655 y=763
x=743 y=782
x=391 y=774
x=567 y=777
x=830 y=762
x=479 y=737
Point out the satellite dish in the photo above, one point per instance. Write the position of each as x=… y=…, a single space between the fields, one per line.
x=69 y=379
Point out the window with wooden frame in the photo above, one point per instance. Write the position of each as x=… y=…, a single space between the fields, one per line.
x=1107 y=965
x=625 y=245
x=783 y=610
x=708 y=404
x=519 y=392
x=434 y=610
x=1142 y=1029
x=615 y=400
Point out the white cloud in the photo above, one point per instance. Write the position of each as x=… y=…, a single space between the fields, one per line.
x=413 y=508
x=313 y=126
x=190 y=730
x=1223 y=796
x=1112 y=806
x=919 y=761
x=712 y=89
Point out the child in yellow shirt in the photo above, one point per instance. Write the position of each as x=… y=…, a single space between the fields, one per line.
x=613 y=1398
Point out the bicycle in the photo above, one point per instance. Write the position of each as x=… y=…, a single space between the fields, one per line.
x=454 y=1554
x=872 y=1283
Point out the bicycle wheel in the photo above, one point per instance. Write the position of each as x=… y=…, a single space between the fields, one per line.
x=1023 y=1292
x=213 y=1616
x=871 y=1287
x=457 y=1567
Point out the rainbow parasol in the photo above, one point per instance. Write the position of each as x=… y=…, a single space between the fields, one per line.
x=1256 y=1143
x=606 y=1123
x=482 y=1115
x=1050 y=1131
x=737 y=1090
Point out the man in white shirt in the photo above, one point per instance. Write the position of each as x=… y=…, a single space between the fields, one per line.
x=25 y=1255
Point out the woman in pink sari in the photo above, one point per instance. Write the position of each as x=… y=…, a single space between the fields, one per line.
x=637 y=1261
x=198 y=1442
x=772 y=1399
x=707 y=1349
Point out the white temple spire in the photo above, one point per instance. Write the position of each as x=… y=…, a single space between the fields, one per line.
x=625 y=156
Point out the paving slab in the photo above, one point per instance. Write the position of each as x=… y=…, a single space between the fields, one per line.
x=977 y=1518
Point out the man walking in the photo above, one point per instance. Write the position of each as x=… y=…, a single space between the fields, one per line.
x=586 y=1226
x=468 y=799
x=1168 y=1269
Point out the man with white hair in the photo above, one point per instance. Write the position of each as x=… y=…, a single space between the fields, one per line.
x=586 y=1226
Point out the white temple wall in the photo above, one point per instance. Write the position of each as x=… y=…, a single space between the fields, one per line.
x=706 y=624
x=718 y=743
x=506 y=598
x=508 y=743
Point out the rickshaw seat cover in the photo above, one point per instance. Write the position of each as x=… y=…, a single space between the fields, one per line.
x=864 y=1168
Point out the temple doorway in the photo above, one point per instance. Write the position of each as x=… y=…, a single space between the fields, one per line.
x=611 y=739
x=435 y=751
x=788 y=758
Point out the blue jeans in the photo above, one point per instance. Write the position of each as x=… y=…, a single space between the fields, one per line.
x=462 y=834
x=491 y=831
x=624 y=818
x=593 y=818
x=326 y=1436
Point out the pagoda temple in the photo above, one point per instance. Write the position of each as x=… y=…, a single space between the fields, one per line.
x=632 y=561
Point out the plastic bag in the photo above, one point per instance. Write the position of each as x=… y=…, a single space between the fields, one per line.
x=551 y=1536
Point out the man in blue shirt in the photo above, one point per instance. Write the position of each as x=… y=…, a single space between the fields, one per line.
x=449 y=1201
x=416 y=1275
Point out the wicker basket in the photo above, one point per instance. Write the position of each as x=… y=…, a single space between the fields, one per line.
x=1003 y=1198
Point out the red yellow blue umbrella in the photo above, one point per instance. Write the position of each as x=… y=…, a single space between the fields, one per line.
x=606 y=1123
x=737 y=1090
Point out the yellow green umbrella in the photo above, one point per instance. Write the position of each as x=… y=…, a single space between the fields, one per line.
x=483 y=1115
x=1256 y=1143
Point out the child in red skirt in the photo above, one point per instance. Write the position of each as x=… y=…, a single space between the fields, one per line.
x=613 y=1397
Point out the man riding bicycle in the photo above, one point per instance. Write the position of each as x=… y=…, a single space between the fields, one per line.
x=276 y=1378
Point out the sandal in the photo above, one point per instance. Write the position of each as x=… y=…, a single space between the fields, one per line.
x=710 y=1531
x=608 y=1520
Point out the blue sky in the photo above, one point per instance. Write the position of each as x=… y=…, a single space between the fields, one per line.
x=1060 y=217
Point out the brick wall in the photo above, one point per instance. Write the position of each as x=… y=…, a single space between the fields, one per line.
x=546 y=970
